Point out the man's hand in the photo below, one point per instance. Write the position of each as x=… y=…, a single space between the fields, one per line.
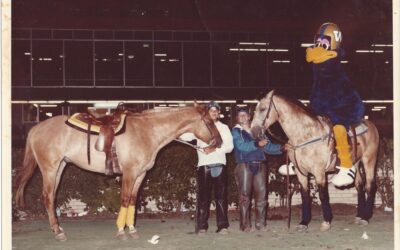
x=262 y=142
x=208 y=150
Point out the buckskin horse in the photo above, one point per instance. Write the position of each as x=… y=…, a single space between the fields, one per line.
x=313 y=153
x=51 y=144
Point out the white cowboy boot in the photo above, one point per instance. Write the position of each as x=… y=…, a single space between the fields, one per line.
x=283 y=171
x=344 y=177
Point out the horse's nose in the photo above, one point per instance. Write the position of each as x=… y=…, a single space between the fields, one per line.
x=256 y=131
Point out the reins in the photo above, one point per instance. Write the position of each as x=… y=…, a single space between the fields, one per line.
x=189 y=144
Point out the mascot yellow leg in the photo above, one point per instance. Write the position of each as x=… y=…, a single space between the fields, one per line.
x=342 y=146
x=347 y=171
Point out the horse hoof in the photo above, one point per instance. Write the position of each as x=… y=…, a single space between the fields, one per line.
x=134 y=234
x=121 y=235
x=362 y=222
x=60 y=236
x=301 y=228
x=325 y=226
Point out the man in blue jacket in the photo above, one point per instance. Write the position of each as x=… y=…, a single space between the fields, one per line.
x=251 y=171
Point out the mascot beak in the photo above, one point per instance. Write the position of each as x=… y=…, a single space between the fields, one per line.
x=319 y=55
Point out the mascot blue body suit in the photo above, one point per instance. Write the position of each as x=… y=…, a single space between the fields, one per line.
x=333 y=95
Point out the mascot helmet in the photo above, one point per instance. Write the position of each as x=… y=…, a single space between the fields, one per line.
x=328 y=36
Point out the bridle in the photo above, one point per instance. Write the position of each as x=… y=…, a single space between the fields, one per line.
x=195 y=146
x=272 y=104
x=208 y=127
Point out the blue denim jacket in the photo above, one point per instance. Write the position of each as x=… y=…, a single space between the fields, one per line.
x=246 y=148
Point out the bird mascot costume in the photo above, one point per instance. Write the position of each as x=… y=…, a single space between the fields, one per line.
x=333 y=95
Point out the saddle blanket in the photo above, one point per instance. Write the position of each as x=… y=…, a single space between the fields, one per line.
x=79 y=121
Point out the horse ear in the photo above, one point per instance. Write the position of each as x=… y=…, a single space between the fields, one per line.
x=272 y=92
x=200 y=108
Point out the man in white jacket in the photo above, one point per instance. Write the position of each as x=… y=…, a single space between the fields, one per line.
x=211 y=172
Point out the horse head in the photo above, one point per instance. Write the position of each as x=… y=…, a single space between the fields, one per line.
x=264 y=116
x=205 y=128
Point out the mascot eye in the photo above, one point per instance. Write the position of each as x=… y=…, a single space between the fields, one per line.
x=325 y=46
x=324 y=43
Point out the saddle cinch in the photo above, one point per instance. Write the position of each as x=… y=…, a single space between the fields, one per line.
x=106 y=127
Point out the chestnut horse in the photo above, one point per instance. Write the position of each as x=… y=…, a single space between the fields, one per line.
x=51 y=144
x=313 y=153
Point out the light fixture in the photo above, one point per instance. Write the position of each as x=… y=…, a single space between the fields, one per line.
x=250 y=43
x=280 y=61
x=48 y=105
x=278 y=50
x=382 y=45
x=368 y=51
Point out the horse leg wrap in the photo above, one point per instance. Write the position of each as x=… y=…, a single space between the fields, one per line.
x=342 y=146
x=121 y=221
x=130 y=217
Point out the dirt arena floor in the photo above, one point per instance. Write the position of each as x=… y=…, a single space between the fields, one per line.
x=178 y=233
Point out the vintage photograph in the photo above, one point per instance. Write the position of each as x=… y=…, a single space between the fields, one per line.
x=202 y=124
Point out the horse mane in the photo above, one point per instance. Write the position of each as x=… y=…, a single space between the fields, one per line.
x=305 y=109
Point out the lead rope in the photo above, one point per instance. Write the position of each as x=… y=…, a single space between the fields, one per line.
x=191 y=145
x=288 y=192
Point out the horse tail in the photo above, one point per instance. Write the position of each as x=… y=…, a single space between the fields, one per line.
x=24 y=173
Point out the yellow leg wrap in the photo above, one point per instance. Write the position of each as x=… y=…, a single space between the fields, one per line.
x=130 y=217
x=342 y=146
x=121 y=221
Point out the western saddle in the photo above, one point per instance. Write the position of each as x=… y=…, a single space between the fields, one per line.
x=105 y=142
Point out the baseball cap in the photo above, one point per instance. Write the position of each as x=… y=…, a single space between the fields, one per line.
x=213 y=104
x=241 y=109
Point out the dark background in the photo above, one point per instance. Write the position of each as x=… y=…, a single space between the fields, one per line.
x=196 y=35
